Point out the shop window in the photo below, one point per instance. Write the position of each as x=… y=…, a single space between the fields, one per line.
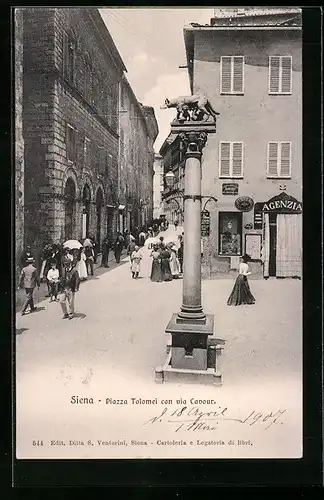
x=232 y=75
x=280 y=74
x=230 y=233
x=71 y=141
x=279 y=160
x=231 y=159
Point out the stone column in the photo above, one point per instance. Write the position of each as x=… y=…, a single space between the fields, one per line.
x=191 y=308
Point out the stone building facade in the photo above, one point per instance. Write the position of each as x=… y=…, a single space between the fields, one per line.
x=249 y=63
x=19 y=140
x=138 y=131
x=72 y=72
x=158 y=186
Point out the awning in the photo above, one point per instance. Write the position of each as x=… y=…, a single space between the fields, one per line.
x=121 y=207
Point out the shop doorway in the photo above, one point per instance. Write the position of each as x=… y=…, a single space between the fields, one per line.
x=273 y=244
x=99 y=205
x=69 y=194
x=86 y=199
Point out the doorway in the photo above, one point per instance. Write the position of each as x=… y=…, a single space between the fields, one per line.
x=69 y=194
x=273 y=244
x=99 y=205
x=86 y=199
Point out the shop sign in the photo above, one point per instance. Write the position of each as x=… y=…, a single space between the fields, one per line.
x=282 y=204
x=231 y=189
x=258 y=218
x=244 y=204
x=205 y=223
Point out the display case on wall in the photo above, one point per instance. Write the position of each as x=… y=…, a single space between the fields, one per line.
x=230 y=234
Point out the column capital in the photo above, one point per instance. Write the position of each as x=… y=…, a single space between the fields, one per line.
x=193 y=142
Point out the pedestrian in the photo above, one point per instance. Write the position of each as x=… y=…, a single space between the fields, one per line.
x=136 y=262
x=68 y=286
x=241 y=293
x=29 y=279
x=174 y=262
x=26 y=254
x=53 y=278
x=161 y=243
x=81 y=265
x=131 y=245
x=180 y=255
x=176 y=223
x=118 y=247
x=105 y=252
x=165 y=255
x=156 y=271
x=89 y=255
x=126 y=238
x=141 y=238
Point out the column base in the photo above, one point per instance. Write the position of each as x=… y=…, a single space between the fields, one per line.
x=167 y=373
x=192 y=352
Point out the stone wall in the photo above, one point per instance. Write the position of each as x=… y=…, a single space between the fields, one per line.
x=19 y=140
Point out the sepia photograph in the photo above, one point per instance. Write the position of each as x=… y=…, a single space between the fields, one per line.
x=158 y=233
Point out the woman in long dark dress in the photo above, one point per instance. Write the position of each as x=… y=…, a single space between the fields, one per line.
x=165 y=255
x=156 y=271
x=241 y=293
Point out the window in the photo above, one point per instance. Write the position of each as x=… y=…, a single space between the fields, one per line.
x=102 y=160
x=69 y=49
x=109 y=164
x=87 y=152
x=231 y=159
x=232 y=75
x=71 y=143
x=279 y=159
x=280 y=71
x=230 y=233
x=87 y=78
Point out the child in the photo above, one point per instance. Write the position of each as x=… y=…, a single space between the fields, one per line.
x=135 y=262
x=53 y=276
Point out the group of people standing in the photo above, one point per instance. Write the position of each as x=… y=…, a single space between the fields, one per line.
x=167 y=261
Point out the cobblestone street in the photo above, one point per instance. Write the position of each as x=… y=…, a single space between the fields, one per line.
x=115 y=342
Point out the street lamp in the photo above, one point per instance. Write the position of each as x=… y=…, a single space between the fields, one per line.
x=193 y=352
x=169 y=179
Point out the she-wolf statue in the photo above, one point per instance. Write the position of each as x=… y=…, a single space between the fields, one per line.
x=193 y=107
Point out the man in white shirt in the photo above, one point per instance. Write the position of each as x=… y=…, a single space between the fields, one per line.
x=53 y=277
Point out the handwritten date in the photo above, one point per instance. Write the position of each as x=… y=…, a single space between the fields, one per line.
x=194 y=419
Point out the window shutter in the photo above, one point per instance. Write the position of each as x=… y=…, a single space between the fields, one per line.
x=273 y=158
x=274 y=68
x=225 y=156
x=285 y=163
x=237 y=170
x=238 y=66
x=226 y=74
x=286 y=74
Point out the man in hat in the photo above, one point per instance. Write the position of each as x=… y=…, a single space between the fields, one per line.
x=26 y=254
x=69 y=284
x=28 y=280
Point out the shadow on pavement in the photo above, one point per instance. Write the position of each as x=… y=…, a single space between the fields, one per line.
x=19 y=331
x=79 y=315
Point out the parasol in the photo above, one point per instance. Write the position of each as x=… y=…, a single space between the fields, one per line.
x=72 y=244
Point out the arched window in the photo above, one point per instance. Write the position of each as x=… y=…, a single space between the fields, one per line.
x=69 y=195
x=86 y=199
x=99 y=209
